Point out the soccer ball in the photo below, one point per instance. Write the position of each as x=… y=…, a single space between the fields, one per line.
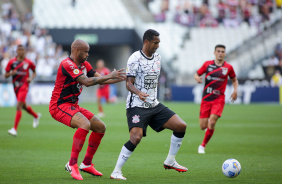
x=231 y=168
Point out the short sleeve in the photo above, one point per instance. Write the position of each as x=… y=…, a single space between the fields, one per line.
x=70 y=69
x=90 y=71
x=232 y=73
x=32 y=66
x=8 y=67
x=203 y=69
x=132 y=66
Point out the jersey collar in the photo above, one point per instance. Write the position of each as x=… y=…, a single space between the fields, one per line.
x=146 y=56
x=217 y=65
x=75 y=63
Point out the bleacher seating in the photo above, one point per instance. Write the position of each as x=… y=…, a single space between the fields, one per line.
x=200 y=47
x=86 y=14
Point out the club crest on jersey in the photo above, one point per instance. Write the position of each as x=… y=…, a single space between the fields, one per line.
x=25 y=65
x=135 y=119
x=76 y=71
x=224 y=70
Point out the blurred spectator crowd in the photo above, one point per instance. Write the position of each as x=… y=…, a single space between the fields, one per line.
x=273 y=66
x=22 y=29
x=230 y=13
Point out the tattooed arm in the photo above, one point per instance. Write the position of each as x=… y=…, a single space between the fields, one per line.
x=100 y=79
x=112 y=81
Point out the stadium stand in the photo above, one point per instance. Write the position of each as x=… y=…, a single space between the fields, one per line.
x=184 y=45
x=241 y=22
x=22 y=29
x=83 y=14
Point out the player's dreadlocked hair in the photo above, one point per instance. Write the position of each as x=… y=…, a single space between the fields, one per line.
x=219 y=46
x=149 y=34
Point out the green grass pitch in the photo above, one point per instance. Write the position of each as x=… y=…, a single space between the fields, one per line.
x=252 y=134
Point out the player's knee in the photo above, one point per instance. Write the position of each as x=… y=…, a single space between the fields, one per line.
x=135 y=139
x=19 y=106
x=84 y=125
x=212 y=124
x=183 y=127
x=101 y=129
x=203 y=127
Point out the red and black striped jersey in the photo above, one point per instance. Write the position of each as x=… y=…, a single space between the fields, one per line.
x=22 y=67
x=216 y=79
x=67 y=89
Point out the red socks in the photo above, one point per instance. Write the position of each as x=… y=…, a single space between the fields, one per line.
x=30 y=111
x=207 y=137
x=17 y=118
x=78 y=141
x=94 y=142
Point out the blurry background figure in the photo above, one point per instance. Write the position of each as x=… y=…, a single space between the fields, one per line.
x=276 y=79
x=103 y=90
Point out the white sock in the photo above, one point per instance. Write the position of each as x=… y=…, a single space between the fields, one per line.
x=123 y=157
x=175 y=144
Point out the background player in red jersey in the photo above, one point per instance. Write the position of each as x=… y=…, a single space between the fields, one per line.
x=217 y=72
x=103 y=89
x=18 y=68
x=75 y=72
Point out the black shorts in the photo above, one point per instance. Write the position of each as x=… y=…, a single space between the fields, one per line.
x=155 y=117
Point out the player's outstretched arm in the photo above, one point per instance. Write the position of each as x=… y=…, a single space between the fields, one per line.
x=112 y=81
x=198 y=78
x=99 y=80
x=130 y=87
x=235 y=86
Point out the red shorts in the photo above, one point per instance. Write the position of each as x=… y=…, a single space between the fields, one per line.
x=64 y=112
x=103 y=92
x=21 y=95
x=211 y=107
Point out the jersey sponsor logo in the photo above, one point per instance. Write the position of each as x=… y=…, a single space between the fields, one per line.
x=214 y=78
x=76 y=71
x=224 y=70
x=149 y=81
x=212 y=66
x=158 y=65
x=210 y=69
x=25 y=65
x=135 y=119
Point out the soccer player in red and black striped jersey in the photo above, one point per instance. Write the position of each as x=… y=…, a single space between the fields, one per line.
x=74 y=73
x=103 y=90
x=217 y=72
x=18 y=68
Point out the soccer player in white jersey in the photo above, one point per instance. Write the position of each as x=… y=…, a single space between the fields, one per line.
x=143 y=108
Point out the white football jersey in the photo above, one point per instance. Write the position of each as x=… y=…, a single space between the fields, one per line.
x=146 y=72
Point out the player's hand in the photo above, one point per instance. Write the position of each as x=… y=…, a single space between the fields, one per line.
x=13 y=72
x=28 y=80
x=233 y=96
x=198 y=79
x=118 y=74
x=143 y=96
